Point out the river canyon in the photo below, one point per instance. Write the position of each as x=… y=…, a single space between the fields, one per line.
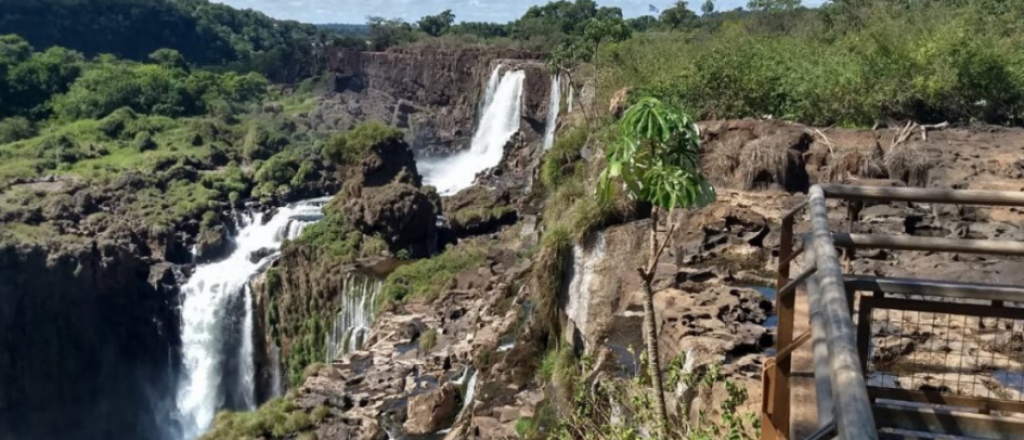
x=149 y=335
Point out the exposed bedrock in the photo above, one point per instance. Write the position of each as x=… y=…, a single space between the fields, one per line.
x=435 y=94
x=87 y=343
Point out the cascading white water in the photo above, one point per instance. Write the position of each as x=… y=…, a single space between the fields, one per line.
x=582 y=280
x=572 y=93
x=500 y=121
x=276 y=375
x=554 y=105
x=492 y=86
x=216 y=317
x=351 y=325
x=246 y=360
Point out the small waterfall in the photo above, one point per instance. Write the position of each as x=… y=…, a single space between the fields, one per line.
x=470 y=390
x=492 y=87
x=572 y=93
x=352 y=324
x=501 y=119
x=585 y=260
x=246 y=360
x=217 y=319
x=554 y=105
x=276 y=375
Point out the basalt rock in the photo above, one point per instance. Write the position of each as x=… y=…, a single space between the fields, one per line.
x=405 y=216
x=88 y=328
x=478 y=210
x=431 y=411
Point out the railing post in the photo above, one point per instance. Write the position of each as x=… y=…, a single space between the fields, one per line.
x=852 y=408
x=785 y=309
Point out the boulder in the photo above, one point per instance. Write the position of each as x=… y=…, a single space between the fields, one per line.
x=405 y=216
x=432 y=411
x=212 y=243
x=478 y=210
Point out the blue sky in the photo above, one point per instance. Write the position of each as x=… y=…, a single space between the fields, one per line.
x=356 y=11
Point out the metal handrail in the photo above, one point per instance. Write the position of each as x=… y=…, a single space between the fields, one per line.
x=851 y=406
x=843 y=398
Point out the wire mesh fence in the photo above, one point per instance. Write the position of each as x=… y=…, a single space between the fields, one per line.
x=970 y=351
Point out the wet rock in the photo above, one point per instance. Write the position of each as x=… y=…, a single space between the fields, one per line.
x=257 y=255
x=432 y=411
x=212 y=243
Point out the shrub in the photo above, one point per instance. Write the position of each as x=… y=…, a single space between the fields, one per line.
x=524 y=427
x=559 y=161
x=15 y=128
x=320 y=413
x=426 y=278
x=352 y=146
x=144 y=142
x=428 y=340
x=114 y=124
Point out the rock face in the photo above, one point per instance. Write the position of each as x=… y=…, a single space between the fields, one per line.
x=434 y=94
x=478 y=210
x=383 y=197
x=432 y=411
x=89 y=341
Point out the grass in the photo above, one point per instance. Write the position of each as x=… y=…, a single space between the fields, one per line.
x=428 y=340
x=278 y=418
x=427 y=278
x=765 y=159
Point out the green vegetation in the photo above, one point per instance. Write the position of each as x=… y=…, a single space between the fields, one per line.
x=657 y=158
x=428 y=277
x=205 y=32
x=278 y=418
x=352 y=146
x=428 y=340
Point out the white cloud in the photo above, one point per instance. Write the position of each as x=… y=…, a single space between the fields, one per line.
x=356 y=11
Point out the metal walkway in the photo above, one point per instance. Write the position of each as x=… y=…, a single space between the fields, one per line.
x=865 y=357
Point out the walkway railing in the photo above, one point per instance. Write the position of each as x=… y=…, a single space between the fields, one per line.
x=888 y=373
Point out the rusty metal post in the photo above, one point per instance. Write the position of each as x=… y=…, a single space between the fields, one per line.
x=852 y=408
x=785 y=309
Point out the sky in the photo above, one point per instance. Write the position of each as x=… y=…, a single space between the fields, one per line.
x=501 y=11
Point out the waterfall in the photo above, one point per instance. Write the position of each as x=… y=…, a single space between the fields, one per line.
x=585 y=258
x=246 y=360
x=492 y=87
x=276 y=375
x=352 y=324
x=554 y=105
x=572 y=93
x=501 y=119
x=216 y=316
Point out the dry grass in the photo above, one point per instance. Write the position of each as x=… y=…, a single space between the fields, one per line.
x=908 y=162
x=722 y=158
x=764 y=158
x=847 y=161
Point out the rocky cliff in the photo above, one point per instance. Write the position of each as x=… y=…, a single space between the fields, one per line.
x=88 y=342
x=435 y=94
x=488 y=325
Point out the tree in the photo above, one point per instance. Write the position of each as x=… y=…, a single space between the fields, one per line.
x=773 y=5
x=708 y=7
x=169 y=58
x=679 y=15
x=437 y=25
x=658 y=161
x=385 y=33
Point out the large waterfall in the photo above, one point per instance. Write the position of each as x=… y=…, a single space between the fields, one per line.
x=352 y=324
x=554 y=105
x=499 y=122
x=217 y=321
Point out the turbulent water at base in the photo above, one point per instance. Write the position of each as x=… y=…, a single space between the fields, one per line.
x=351 y=325
x=554 y=105
x=217 y=322
x=499 y=122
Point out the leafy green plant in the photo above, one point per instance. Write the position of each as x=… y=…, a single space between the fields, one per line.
x=427 y=277
x=658 y=161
